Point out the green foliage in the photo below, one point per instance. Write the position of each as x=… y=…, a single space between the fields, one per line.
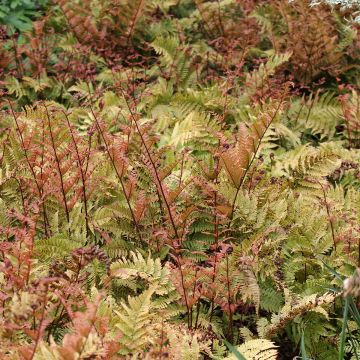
x=18 y=14
x=179 y=180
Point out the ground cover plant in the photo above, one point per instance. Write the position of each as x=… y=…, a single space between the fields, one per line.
x=179 y=179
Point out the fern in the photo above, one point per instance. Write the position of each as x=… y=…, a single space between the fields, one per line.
x=136 y=334
x=256 y=349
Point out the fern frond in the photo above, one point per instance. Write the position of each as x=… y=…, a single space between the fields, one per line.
x=257 y=349
x=289 y=312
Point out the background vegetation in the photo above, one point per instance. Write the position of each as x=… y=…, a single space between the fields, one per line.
x=179 y=179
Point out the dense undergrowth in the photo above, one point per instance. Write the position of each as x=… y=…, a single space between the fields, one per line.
x=179 y=179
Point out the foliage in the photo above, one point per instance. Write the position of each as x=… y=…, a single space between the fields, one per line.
x=180 y=180
x=18 y=14
x=352 y=4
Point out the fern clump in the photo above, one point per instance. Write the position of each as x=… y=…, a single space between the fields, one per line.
x=179 y=180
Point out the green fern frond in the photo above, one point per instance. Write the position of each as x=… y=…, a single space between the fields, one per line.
x=258 y=349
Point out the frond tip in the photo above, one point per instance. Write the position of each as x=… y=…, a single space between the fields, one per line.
x=258 y=349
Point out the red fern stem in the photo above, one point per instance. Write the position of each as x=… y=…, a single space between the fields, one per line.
x=117 y=174
x=57 y=160
x=159 y=184
x=82 y=174
x=252 y=159
x=40 y=190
